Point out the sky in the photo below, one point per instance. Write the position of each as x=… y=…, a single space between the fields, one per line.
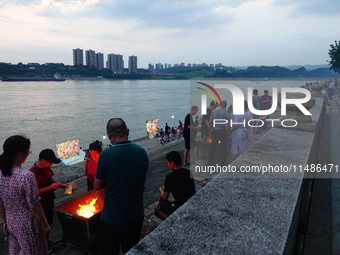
x=231 y=32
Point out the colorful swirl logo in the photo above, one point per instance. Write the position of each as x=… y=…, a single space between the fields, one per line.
x=210 y=94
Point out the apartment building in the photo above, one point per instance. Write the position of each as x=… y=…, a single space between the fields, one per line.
x=78 y=57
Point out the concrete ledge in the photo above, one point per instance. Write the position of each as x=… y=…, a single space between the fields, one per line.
x=245 y=213
x=236 y=216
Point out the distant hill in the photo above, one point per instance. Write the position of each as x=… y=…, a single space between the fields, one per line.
x=293 y=67
x=250 y=72
x=307 y=67
x=255 y=72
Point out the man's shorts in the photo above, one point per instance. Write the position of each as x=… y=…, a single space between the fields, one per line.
x=166 y=207
x=190 y=142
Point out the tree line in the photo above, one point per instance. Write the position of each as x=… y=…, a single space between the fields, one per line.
x=49 y=69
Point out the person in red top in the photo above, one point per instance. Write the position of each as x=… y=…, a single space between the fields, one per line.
x=91 y=162
x=47 y=184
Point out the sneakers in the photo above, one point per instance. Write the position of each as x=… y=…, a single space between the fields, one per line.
x=52 y=245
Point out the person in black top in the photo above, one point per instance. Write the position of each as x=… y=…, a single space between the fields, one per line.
x=167 y=132
x=180 y=126
x=206 y=129
x=189 y=134
x=161 y=136
x=178 y=183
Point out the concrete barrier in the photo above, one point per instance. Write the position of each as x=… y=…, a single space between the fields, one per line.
x=247 y=213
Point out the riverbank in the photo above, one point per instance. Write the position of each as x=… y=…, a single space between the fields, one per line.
x=156 y=174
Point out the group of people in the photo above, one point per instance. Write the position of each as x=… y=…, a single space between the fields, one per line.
x=169 y=132
x=27 y=196
x=122 y=169
x=221 y=133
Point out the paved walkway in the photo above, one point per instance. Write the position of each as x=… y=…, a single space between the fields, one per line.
x=335 y=184
x=323 y=229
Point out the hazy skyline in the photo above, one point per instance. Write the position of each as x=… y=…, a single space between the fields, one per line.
x=231 y=32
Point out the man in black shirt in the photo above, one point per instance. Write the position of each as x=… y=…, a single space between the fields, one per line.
x=189 y=133
x=167 y=132
x=206 y=129
x=178 y=183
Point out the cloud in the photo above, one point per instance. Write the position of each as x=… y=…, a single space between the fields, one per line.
x=153 y=13
x=64 y=7
x=227 y=31
x=312 y=7
x=17 y=2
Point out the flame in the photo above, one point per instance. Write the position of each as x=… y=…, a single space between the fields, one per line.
x=88 y=210
x=68 y=191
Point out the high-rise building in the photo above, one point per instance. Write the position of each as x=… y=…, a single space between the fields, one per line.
x=99 y=61
x=78 y=57
x=90 y=57
x=115 y=63
x=151 y=67
x=159 y=66
x=132 y=64
x=120 y=63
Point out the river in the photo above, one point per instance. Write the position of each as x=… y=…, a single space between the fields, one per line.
x=51 y=112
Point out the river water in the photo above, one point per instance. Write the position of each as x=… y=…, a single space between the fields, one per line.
x=51 y=112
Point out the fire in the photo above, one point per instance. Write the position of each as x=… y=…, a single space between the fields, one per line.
x=88 y=210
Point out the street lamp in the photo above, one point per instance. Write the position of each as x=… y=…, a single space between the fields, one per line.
x=173 y=118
